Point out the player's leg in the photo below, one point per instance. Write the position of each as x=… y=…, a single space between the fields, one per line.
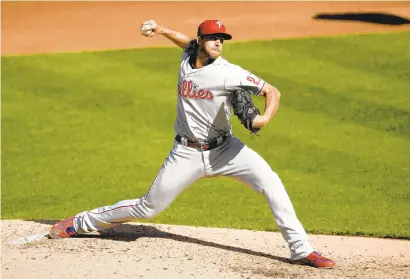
x=182 y=167
x=244 y=164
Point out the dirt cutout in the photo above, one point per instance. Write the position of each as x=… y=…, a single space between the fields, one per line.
x=37 y=27
x=163 y=251
x=137 y=250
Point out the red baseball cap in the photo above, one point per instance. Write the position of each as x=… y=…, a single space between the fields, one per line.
x=213 y=27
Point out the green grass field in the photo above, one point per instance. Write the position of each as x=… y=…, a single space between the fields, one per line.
x=75 y=129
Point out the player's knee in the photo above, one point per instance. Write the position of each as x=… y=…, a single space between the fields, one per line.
x=151 y=210
x=151 y=213
x=270 y=184
x=144 y=209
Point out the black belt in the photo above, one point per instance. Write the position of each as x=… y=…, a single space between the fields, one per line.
x=207 y=146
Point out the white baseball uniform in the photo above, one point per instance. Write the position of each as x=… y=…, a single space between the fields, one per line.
x=203 y=116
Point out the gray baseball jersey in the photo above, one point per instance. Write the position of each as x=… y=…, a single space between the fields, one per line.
x=204 y=97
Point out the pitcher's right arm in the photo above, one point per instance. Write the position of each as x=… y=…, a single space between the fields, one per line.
x=150 y=28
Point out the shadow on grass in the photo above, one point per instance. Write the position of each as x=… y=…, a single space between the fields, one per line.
x=378 y=18
x=128 y=233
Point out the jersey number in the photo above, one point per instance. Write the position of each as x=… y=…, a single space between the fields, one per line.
x=253 y=80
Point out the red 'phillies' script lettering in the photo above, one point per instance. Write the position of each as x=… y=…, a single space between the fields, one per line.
x=201 y=94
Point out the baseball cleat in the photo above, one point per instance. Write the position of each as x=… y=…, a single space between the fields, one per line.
x=64 y=228
x=315 y=259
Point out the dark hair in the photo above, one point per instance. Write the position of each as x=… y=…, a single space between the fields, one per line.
x=192 y=46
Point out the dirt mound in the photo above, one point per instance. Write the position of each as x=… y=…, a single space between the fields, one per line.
x=137 y=250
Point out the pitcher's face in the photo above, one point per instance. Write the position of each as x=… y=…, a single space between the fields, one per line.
x=211 y=45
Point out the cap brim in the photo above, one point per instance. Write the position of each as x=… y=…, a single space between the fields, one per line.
x=225 y=36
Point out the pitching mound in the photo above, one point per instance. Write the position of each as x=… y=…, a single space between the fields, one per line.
x=162 y=251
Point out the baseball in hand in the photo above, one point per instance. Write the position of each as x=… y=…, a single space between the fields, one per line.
x=147 y=28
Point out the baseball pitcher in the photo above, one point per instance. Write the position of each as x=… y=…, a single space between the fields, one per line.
x=208 y=89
